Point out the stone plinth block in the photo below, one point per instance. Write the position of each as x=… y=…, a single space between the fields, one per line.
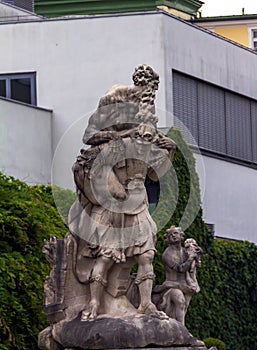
x=122 y=333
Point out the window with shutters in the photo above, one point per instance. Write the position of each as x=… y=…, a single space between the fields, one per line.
x=20 y=87
x=218 y=120
x=254 y=39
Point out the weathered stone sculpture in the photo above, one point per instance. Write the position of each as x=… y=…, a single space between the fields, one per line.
x=110 y=230
x=174 y=295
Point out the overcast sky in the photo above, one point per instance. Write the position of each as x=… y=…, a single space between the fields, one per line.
x=228 y=7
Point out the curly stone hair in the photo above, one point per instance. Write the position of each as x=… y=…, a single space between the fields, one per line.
x=174 y=229
x=144 y=75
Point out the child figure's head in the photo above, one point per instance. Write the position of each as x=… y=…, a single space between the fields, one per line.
x=194 y=250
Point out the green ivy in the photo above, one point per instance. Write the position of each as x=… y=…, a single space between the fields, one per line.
x=223 y=309
x=27 y=217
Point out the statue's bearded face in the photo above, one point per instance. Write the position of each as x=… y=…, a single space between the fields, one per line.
x=145 y=134
x=143 y=138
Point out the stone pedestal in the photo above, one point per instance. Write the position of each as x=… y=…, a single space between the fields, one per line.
x=168 y=348
x=105 y=332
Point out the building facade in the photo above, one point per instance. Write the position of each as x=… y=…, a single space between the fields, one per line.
x=207 y=85
x=241 y=29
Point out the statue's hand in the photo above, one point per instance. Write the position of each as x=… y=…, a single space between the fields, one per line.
x=127 y=133
x=193 y=288
x=192 y=255
x=166 y=143
x=188 y=289
x=120 y=195
x=112 y=135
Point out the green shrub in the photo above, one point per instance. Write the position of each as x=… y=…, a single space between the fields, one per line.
x=27 y=217
x=219 y=344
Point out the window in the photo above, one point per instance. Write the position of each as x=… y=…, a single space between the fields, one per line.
x=221 y=122
x=20 y=87
x=252 y=38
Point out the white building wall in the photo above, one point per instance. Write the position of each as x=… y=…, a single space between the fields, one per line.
x=229 y=191
x=229 y=198
x=78 y=60
x=25 y=142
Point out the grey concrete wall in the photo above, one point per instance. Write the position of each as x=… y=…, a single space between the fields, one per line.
x=25 y=142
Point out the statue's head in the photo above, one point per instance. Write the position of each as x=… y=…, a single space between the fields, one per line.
x=190 y=242
x=145 y=75
x=145 y=133
x=143 y=138
x=194 y=251
x=174 y=235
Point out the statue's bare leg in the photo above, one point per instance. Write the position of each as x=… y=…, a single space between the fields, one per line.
x=178 y=298
x=145 y=276
x=98 y=283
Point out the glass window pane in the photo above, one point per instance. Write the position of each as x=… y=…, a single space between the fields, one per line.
x=21 y=90
x=255 y=33
x=255 y=44
x=3 y=88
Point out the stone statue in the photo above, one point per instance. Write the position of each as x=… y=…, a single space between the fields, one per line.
x=180 y=263
x=126 y=150
x=194 y=253
x=111 y=230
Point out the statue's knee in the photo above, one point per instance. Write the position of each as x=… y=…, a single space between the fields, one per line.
x=181 y=302
x=102 y=265
x=146 y=257
x=104 y=259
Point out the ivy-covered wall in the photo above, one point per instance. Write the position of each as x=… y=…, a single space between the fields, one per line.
x=223 y=309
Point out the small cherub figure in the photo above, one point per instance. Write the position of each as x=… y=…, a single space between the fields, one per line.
x=180 y=263
x=194 y=253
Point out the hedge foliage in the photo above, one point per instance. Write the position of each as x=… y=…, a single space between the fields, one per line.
x=223 y=309
x=219 y=344
x=27 y=217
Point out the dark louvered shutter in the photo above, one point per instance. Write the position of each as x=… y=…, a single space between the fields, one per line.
x=238 y=126
x=185 y=106
x=211 y=109
x=254 y=130
x=219 y=120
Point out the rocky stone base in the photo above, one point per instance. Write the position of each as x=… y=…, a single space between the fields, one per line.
x=105 y=332
x=168 y=348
